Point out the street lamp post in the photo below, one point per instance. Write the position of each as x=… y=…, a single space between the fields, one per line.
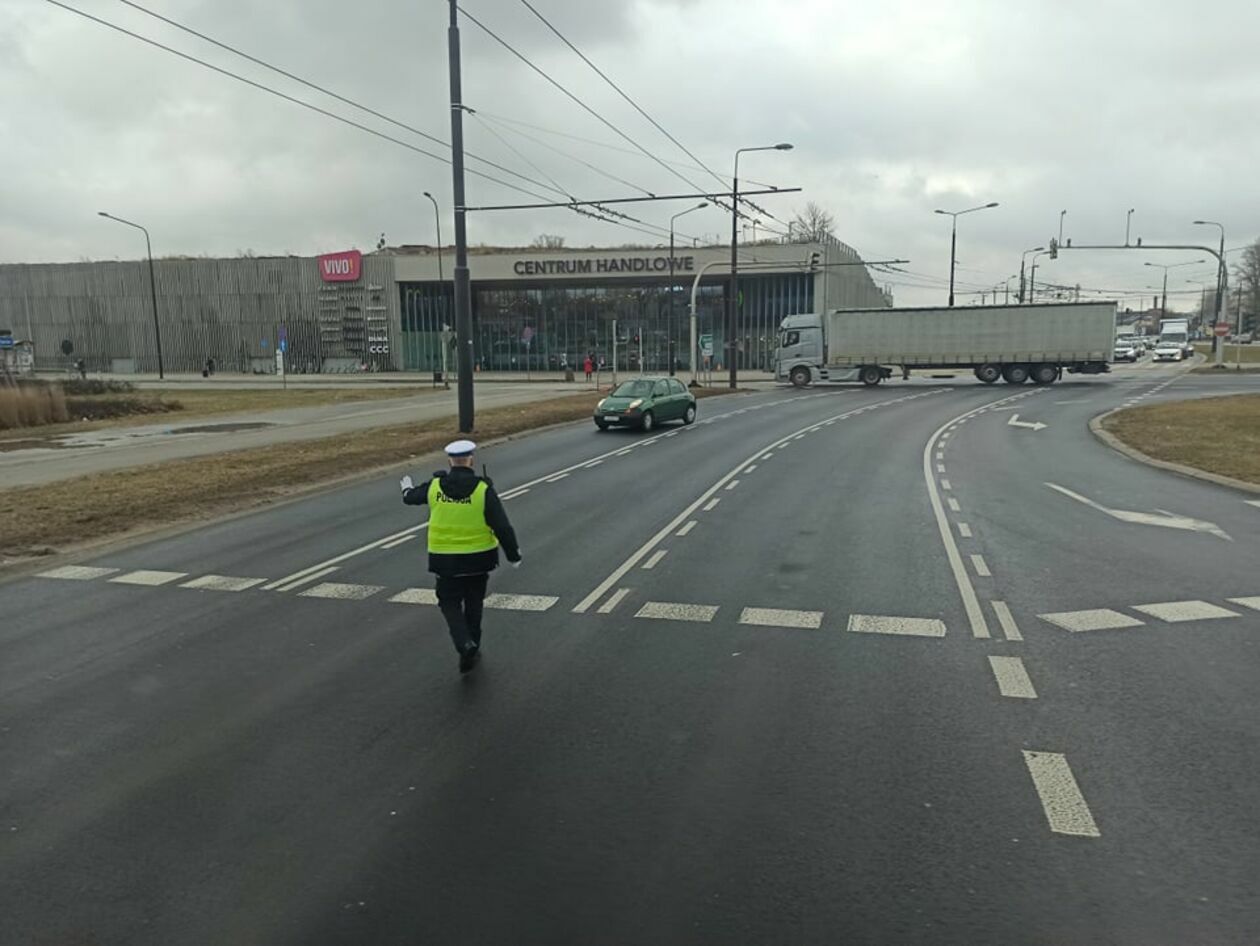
x=1022 y=260
x=953 y=238
x=148 y=246
x=669 y=332
x=1128 y=219
x=731 y=301
x=1163 y=299
x=1222 y=282
x=1062 y=214
x=437 y=223
x=1202 y=302
x=1032 y=276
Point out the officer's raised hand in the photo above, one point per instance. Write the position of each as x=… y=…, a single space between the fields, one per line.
x=405 y=483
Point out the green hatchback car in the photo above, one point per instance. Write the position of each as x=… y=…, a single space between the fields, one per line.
x=644 y=403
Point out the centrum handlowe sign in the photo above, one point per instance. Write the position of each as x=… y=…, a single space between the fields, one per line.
x=345 y=266
x=603 y=264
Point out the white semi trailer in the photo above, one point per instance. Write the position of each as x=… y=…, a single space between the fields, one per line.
x=1012 y=342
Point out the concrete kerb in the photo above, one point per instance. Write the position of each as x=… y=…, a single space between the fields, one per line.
x=1111 y=440
x=20 y=568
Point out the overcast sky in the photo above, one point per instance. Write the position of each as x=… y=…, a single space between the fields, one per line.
x=895 y=108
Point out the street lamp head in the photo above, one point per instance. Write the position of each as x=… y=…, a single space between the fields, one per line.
x=942 y=212
x=783 y=146
x=702 y=204
x=994 y=204
x=1198 y=223
x=101 y=213
x=428 y=195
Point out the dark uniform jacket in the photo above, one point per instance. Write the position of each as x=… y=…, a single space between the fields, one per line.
x=459 y=483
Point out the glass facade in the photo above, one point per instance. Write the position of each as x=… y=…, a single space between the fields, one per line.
x=529 y=326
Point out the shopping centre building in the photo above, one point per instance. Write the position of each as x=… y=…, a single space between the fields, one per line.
x=532 y=309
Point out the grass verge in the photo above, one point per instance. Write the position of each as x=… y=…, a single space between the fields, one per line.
x=1218 y=434
x=42 y=520
x=1250 y=353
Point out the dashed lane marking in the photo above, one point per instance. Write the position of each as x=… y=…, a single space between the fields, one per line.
x=1061 y=798
x=911 y=627
x=587 y=466
x=1007 y=620
x=669 y=611
x=1177 y=611
x=342 y=592
x=222 y=583
x=397 y=542
x=981 y=567
x=1012 y=678
x=1093 y=619
x=953 y=504
x=711 y=503
x=940 y=468
x=964 y=530
x=1253 y=603
x=778 y=617
x=511 y=602
x=613 y=600
x=556 y=478
x=415 y=596
x=149 y=577
x=750 y=468
x=77 y=572
x=767 y=456
x=687 y=528
x=946 y=485
x=655 y=558
x=732 y=484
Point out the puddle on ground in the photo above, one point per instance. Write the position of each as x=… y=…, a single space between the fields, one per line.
x=219 y=428
x=12 y=446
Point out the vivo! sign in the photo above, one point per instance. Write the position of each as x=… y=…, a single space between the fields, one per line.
x=340 y=267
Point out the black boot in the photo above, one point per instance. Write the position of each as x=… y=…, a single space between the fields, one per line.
x=468 y=659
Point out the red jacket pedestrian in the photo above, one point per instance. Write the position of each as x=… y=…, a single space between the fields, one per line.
x=589 y=367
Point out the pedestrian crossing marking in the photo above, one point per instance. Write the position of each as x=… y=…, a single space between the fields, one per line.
x=342 y=591
x=1092 y=619
x=1177 y=611
x=1061 y=798
x=881 y=624
x=670 y=611
x=77 y=572
x=1253 y=603
x=512 y=602
x=415 y=596
x=148 y=577
x=222 y=583
x=779 y=617
x=1012 y=678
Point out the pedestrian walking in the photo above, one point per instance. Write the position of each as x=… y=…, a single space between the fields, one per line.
x=467 y=525
x=589 y=367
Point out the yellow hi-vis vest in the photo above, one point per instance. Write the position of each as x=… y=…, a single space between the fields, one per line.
x=458 y=526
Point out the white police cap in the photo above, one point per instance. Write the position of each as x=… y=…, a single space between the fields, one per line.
x=460 y=448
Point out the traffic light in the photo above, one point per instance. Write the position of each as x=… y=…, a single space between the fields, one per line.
x=815 y=258
x=1054 y=248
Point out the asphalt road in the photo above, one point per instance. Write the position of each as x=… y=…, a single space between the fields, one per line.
x=891 y=687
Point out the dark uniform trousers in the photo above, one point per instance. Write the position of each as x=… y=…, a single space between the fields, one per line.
x=460 y=599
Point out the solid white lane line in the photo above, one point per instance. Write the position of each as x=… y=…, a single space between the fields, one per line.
x=881 y=624
x=655 y=558
x=304 y=580
x=711 y=503
x=732 y=484
x=635 y=557
x=946 y=485
x=397 y=542
x=222 y=583
x=778 y=617
x=953 y=504
x=669 y=611
x=687 y=528
x=1007 y=620
x=511 y=602
x=343 y=592
x=1177 y=611
x=982 y=569
x=77 y=572
x=1253 y=603
x=964 y=530
x=415 y=596
x=1094 y=619
x=1012 y=678
x=613 y=600
x=148 y=577
x=1061 y=797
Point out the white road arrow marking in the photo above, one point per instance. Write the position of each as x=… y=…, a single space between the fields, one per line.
x=1016 y=422
x=1166 y=519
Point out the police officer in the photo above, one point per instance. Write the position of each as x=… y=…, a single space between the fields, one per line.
x=467 y=524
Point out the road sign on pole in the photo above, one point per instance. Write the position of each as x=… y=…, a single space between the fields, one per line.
x=1222 y=329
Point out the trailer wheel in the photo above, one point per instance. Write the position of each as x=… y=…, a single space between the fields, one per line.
x=871 y=375
x=988 y=373
x=1045 y=374
x=799 y=376
x=1015 y=374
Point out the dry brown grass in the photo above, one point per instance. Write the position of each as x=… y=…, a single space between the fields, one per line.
x=32 y=405
x=36 y=519
x=1217 y=434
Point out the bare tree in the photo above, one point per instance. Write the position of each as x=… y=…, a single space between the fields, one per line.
x=1247 y=273
x=813 y=224
x=547 y=241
